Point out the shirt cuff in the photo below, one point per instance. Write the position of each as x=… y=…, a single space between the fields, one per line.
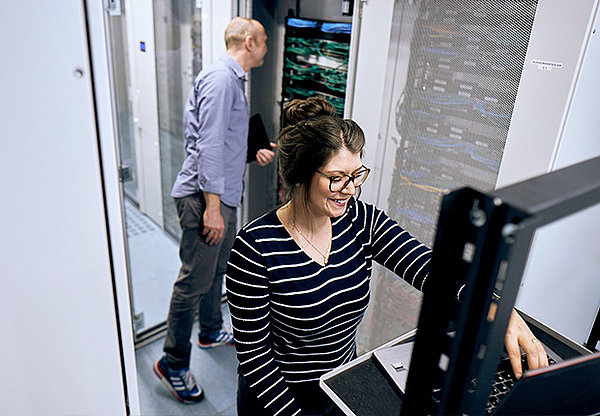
x=213 y=186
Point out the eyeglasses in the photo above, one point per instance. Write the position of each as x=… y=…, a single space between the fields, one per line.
x=339 y=182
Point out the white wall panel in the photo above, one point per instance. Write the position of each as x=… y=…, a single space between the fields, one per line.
x=60 y=344
x=571 y=309
x=545 y=92
x=142 y=64
x=369 y=87
x=216 y=15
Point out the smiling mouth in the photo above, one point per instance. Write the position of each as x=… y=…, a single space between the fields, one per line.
x=339 y=202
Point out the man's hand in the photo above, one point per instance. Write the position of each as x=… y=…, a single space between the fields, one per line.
x=265 y=156
x=519 y=334
x=214 y=226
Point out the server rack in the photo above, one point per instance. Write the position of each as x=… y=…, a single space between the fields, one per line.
x=454 y=112
x=315 y=59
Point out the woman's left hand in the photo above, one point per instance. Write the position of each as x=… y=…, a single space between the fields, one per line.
x=519 y=334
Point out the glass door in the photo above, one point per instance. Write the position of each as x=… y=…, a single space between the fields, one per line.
x=156 y=50
x=178 y=38
x=123 y=110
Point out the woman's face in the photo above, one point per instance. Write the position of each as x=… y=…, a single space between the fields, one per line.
x=323 y=202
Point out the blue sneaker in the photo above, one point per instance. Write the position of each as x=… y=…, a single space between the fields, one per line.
x=181 y=383
x=221 y=337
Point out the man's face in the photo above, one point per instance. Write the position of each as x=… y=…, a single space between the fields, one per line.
x=259 y=48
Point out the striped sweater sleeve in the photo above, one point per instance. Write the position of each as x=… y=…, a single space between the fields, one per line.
x=397 y=250
x=248 y=297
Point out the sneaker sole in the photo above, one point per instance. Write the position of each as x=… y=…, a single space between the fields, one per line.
x=165 y=381
x=212 y=345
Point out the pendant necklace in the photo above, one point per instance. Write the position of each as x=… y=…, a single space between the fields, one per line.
x=324 y=255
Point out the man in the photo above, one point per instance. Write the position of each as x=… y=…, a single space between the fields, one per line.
x=207 y=191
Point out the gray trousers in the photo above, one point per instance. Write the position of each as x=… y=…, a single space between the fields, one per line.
x=198 y=287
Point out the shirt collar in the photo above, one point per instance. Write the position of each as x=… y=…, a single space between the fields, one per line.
x=234 y=66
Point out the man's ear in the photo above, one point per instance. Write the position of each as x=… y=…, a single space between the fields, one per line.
x=248 y=41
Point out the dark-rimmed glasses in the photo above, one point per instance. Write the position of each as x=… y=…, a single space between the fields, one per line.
x=338 y=183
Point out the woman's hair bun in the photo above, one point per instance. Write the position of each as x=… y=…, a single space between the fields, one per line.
x=299 y=110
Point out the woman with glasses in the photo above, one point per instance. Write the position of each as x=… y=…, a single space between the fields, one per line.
x=298 y=277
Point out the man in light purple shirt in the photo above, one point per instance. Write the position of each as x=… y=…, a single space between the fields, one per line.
x=207 y=191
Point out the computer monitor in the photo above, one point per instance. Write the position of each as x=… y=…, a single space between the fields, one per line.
x=481 y=249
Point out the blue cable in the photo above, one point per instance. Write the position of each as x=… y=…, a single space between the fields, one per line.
x=438 y=51
x=295 y=22
x=336 y=27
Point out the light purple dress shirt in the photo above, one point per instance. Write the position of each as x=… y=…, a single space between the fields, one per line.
x=215 y=125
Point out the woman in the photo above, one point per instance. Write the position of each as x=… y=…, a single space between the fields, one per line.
x=298 y=277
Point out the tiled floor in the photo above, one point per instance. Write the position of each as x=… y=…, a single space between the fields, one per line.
x=154 y=264
x=214 y=369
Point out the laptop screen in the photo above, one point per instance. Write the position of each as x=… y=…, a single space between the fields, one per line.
x=568 y=388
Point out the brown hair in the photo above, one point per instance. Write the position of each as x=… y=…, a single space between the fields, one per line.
x=311 y=134
x=298 y=110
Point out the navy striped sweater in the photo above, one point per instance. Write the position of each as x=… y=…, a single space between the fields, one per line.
x=292 y=318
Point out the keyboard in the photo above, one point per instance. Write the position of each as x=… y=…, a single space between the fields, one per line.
x=504 y=382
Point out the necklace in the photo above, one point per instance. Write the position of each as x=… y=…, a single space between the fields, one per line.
x=324 y=255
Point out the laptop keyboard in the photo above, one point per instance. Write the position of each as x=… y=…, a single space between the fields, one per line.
x=504 y=382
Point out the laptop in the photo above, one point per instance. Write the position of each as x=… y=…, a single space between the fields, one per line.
x=571 y=387
x=567 y=386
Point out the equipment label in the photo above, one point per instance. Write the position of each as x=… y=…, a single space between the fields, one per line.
x=546 y=65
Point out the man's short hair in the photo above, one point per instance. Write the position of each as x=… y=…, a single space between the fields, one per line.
x=237 y=30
